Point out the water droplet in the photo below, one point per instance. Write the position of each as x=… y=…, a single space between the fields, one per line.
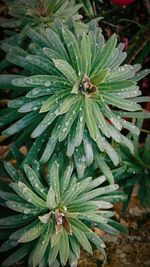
x=47 y=83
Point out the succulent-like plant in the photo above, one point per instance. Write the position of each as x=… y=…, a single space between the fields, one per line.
x=39 y=12
x=74 y=91
x=136 y=170
x=53 y=214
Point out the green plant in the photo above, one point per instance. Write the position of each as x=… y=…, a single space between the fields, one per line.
x=72 y=88
x=53 y=214
x=39 y=12
x=33 y=14
x=136 y=170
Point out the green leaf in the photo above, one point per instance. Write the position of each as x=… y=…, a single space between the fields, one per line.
x=9 y=116
x=26 y=193
x=88 y=148
x=66 y=69
x=5 y=81
x=42 y=244
x=54 y=181
x=14 y=221
x=74 y=245
x=35 y=182
x=121 y=103
x=140 y=75
x=96 y=240
x=56 y=43
x=69 y=119
x=51 y=202
x=89 y=118
x=53 y=101
x=79 y=127
x=22 y=207
x=53 y=253
x=99 y=77
x=11 y=170
x=79 y=225
x=104 y=168
x=17 y=255
x=116 y=85
x=98 y=192
x=82 y=239
x=8 y=245
x=29 y=232
x=64 y=247
x=85 y=54
x=21 y=124
x=65 y=181
x=73 y=49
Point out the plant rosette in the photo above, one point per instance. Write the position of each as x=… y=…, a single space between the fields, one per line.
x=53 y=214
x=75 y=93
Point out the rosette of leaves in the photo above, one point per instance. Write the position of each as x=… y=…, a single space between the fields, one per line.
x=53 y=214
x=135 y=170
x=37 y=12
x=75 y=93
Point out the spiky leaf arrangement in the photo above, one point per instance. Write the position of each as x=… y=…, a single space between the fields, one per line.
x=136 y=170
x=37 y=12
x=77 y=94
x=53 y=214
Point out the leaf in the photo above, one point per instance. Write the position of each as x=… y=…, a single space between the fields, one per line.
x=42 y=244
x=121 y=228
x=35 y=182
x=121 y=103
x=64 y=247
x=140 y=75
x=41 y=80
x=56 y=43
x=53 y=101
x=116 y=85
x=5 y=81
x=96 y=240
x=33 y=105
x=66 y=69
x=74 y=245
x=22 y=207
x=85 y=54
x=79 y=127
x=89 y=118
x=88 y=148
x=69 y=119
x=8 y=245
x=96 y=182
x=81 y=237
x=29 y=232
x=11 y=170
x=106 y=53
x=104 y=168
x=54 y=181
x=51 y=202
x=101 y=123
x=53 y=253
x=21 y=124
x=99 y=77
x=9 y=116
x=79 y=225
x=73 y=49
x=14 y=221
x=26 y=193
x=17 y=255
x=98 y=192
x=65 y=181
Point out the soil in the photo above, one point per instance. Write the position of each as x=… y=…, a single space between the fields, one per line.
x=127 y=250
